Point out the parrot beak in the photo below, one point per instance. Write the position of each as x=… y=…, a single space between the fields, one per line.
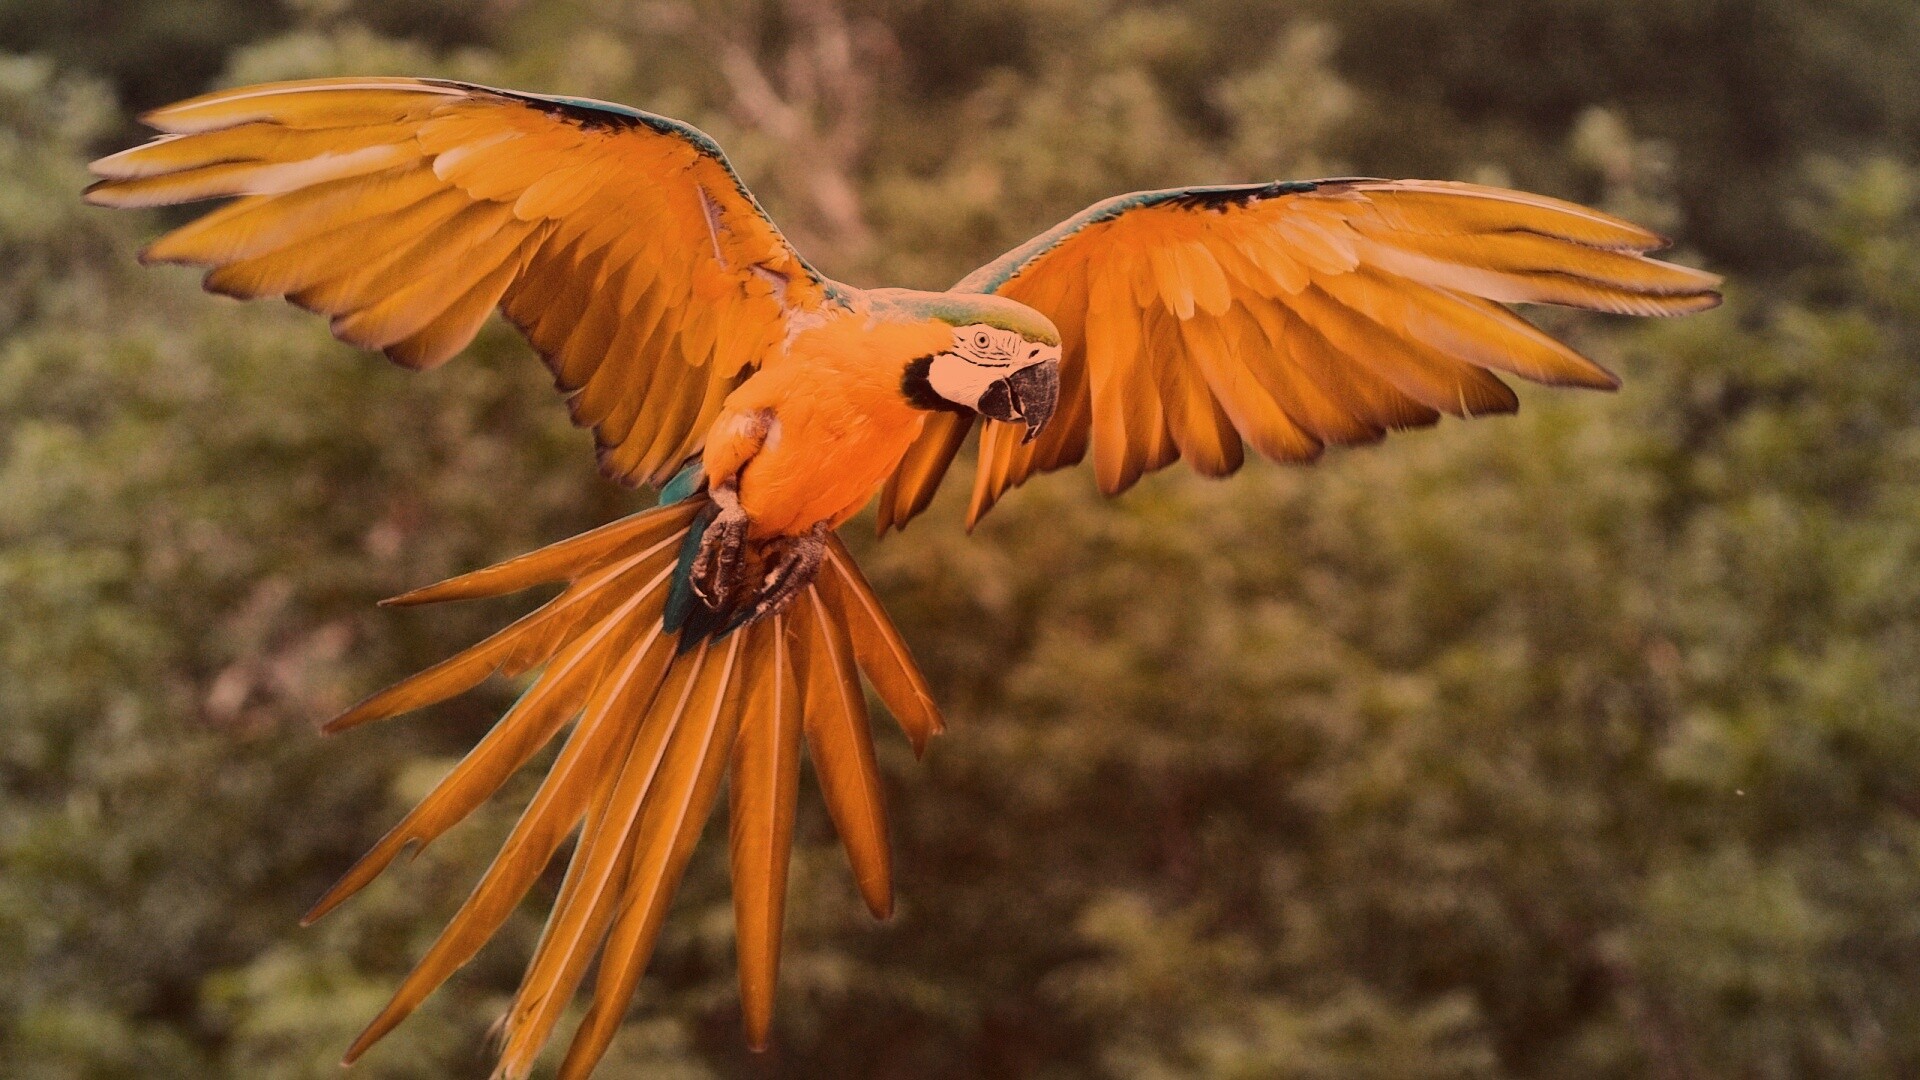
x=1025 y=397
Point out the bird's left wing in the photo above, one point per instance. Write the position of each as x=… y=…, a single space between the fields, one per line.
x=621 y=243
x=1293 y=315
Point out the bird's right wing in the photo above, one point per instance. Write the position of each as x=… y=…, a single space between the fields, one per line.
x=621 y=243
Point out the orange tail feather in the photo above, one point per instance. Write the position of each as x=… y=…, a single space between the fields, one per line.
x=655 y=727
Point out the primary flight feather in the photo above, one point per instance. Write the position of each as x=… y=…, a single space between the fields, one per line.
x=721 y=632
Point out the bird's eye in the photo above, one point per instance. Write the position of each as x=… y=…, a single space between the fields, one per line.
x=981 y=340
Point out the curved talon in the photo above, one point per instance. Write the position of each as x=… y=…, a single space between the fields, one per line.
x=723 y=549
x=798 y=563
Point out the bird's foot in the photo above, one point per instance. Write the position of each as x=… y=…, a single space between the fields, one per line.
x=723 y=550
x=799 y=560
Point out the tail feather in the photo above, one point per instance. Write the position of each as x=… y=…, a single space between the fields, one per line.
x=841 y=745
x=668 y=831
x=881 y=651
x=763 y=791
x=655 y=725
x=532 y=722
x=556 y=808
x=535 y=638
x=556 y=562
x=576 y=929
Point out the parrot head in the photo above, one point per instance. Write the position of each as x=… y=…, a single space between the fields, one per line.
x=1003 y=362
x=999 y=374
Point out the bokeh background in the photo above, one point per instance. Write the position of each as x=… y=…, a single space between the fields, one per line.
x=1579 y=744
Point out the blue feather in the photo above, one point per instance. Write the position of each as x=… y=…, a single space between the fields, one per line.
x=684 y=485
x=680 y=598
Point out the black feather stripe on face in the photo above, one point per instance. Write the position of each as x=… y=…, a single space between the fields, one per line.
x=917 y=388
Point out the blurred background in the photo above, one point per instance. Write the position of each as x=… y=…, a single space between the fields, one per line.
x=1578 y=744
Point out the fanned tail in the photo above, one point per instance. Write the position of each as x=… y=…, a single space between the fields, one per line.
x=655 y=724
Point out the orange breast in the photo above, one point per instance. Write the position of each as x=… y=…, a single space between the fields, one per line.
x=840 y=421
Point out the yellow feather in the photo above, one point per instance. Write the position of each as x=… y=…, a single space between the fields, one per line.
x=1320 y=240
x=451 y=330
x=598 y=327
x=1211 y=293
x=1172 y=282
x=1348 y=383
x=305 y=103
x=556 y=807
x=501 y=169
x=1526 y=254
x=530 y=640
x=247 y=178
x=360 y=266
x=562 y=191
x=257 y=143
x=841 y=745
x=1414 y=368
x=1539 y=287
x=333 y=263
x=1473 y=330
x=531 y=723
x=1252 y=410
x=677 y=807
x=258 y=224
x=556 y=562
x=445 y=273
x=878 y=647
x=1120 y=416
x=1203 y=433
x=1286 y=374
x=1449 y=208
x=763 y=789
x=912 y=486
x=598 y=873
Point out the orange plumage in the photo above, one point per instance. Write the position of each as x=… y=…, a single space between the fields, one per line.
x=718 y=634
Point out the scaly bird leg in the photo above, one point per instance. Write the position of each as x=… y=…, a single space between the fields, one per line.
x=799 y=561
x=723 y=549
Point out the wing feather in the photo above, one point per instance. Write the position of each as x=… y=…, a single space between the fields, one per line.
x=911 y=487
x=1295 y=315
x=405 y=210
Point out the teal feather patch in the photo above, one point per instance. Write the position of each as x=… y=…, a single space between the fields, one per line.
x=684 y=485
x=680 y=599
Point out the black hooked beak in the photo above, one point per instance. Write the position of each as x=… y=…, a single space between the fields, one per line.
x=1027 y=396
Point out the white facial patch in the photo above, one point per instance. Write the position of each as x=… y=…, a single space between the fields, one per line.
x=982 y=355
x=960 y=380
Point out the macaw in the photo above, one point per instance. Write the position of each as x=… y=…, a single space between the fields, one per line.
x=725 y=628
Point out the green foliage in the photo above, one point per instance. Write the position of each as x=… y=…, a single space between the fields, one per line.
x=1574 y=745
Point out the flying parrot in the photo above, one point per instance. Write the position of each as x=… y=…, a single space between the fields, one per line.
x=720 y=632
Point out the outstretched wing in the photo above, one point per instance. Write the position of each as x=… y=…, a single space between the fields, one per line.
x=1295 y=316
x=621 y=243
